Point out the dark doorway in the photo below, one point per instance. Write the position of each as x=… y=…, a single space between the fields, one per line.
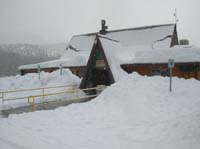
x=100 y=77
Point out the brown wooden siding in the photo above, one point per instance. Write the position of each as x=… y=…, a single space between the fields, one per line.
x=79 y=71
x=162 y=69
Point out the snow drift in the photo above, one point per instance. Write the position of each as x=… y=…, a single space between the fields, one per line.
x=136 y=112
x=31 y=81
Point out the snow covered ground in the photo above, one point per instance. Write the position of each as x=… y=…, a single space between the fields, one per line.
x=136 y=112
x=30 y=81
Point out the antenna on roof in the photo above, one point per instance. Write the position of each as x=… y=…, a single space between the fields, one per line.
x=175 y=16
x=103 y=27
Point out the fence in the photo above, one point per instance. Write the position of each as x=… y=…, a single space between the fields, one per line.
x=42 y=89
x=71 y=90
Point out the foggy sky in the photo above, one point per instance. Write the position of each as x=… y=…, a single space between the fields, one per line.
x=52 y=21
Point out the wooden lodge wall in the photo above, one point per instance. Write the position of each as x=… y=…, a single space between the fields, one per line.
x=181 y=70
x=79 y=71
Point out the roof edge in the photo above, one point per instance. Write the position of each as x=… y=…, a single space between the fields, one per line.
x=128 y=29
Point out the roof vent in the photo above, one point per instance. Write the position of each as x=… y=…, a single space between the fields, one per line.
x=103 y=27
x=184 y=42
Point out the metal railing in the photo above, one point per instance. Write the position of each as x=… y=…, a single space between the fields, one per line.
x=32 y=99
x=72 y=90
x=42 y=89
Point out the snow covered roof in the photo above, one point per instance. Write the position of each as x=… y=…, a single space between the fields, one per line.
x=144 y=54
x=118 y=54
x=80 y=46
x=129 y=37
x=180 y=54
x=69 y=59
x=144 y=35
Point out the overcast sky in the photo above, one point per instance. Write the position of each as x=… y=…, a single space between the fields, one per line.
x=53 y=21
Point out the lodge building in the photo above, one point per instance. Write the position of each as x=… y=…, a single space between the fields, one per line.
x=100 y=58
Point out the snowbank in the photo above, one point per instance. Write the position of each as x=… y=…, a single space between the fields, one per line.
x=32 y=80
x=136 y=112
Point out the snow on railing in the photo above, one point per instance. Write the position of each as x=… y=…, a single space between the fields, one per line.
x=32 y=99
x=26 y=93
x=71 y=92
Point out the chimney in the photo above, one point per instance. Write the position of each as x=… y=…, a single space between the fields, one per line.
x=103 y=27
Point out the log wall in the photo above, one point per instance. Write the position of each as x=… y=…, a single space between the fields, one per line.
x=79 y=71
x=162 y=69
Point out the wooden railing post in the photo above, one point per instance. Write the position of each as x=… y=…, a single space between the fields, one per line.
x=2 y=97
x=77 y=93
x=43 y=93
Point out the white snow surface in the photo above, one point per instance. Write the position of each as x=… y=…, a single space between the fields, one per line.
x=143 y=54
x=136 y=112
x=32 y=81
x=82 y=42
x=69 y=59
x=145 y=37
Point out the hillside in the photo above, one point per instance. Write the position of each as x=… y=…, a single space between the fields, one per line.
x=14 y=55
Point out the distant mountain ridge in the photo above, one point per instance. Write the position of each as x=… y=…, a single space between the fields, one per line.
x=14 y=55
x=54 y=50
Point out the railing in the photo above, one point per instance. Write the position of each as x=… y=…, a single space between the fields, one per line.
x=32 y=99
x=42 y=89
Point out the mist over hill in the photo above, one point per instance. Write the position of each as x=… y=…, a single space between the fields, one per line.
x=14 y=55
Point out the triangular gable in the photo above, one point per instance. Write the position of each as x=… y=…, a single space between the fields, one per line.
x=115 y=53
x=97 y=55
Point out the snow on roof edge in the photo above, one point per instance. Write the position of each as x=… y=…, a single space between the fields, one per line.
x=126 y=29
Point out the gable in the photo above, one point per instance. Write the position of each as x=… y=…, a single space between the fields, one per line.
x=97 y=62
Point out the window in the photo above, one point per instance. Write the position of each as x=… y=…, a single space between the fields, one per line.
x=188 y=68
x=160 y=72
x=99 y=55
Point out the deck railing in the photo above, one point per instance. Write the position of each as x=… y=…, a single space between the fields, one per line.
x=32 y=99
x=41 y=89
x=71 y=90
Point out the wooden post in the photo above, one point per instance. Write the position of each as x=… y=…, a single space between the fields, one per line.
x=77 y=91
x=43 y=93
x=61 y=67
x=39 y=69
x=33 y=103
x=2 y=97
x=171 y=64
x=170 y=86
